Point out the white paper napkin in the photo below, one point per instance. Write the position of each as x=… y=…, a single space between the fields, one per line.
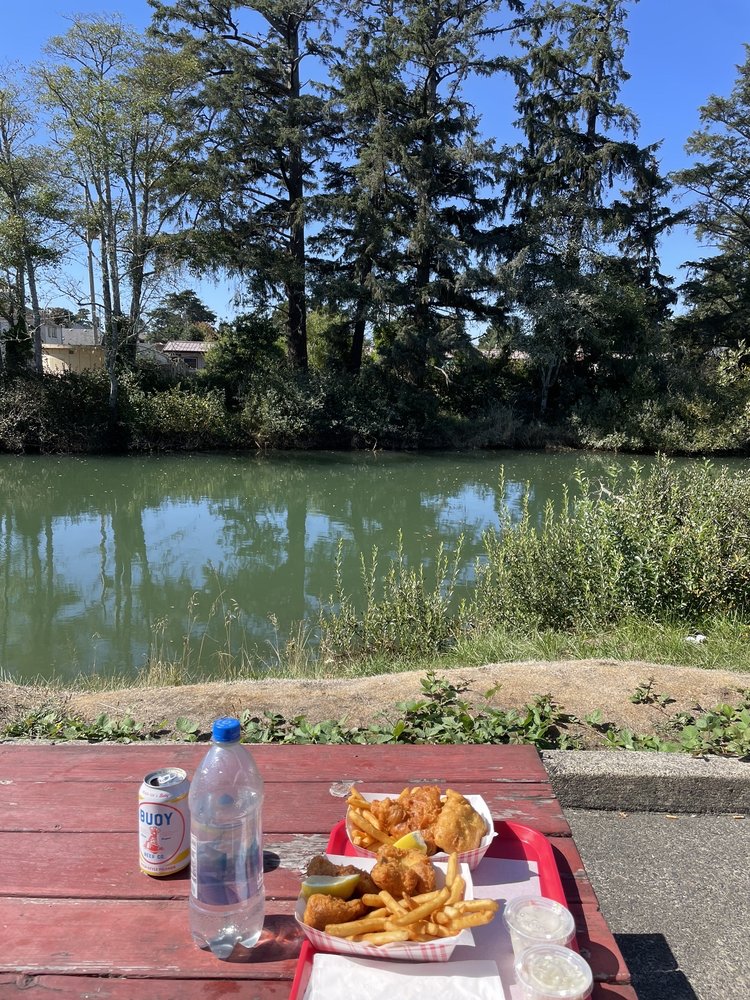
x=333 y=977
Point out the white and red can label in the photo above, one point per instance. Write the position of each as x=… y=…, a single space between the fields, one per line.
x=164 y=822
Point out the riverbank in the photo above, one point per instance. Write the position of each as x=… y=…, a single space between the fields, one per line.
x=580 y=688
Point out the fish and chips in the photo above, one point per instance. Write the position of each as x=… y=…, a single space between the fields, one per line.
x=442 y=822
x=405 y=906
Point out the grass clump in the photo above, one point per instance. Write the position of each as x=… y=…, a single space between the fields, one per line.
x=403 y=616
x=665 y=550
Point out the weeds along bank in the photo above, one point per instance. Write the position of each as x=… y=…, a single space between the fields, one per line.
x=698 y=409
x=442 y=712
x=665 y=548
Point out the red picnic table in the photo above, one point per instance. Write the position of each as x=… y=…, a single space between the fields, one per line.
x=78 y=918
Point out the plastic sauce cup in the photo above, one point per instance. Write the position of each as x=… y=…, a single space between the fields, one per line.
x=551 y=972
x=537 y=920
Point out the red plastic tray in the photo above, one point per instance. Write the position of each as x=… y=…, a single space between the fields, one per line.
x=513 y=841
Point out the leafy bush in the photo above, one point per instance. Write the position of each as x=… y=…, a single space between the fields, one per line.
x=54 y=413
x=245 y=350
x=666 y=546
x=177 y=419
x=289 y=409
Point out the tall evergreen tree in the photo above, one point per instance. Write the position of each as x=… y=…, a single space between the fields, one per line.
x=639 y=218
x=250 y=164
x=718 y=289
x=414 y=208
x=356 y=242
x=561 y=181
x=181 y=316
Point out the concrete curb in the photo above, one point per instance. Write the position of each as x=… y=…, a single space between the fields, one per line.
x=619 y=781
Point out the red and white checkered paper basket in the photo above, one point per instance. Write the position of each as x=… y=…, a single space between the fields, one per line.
x=439 y=950
x=470 y=858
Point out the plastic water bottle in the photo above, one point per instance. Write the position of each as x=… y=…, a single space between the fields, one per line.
x=227 y=902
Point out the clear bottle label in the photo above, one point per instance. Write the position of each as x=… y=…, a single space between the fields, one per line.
x=223 y=869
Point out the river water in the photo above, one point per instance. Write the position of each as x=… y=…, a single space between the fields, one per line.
x=106 y=561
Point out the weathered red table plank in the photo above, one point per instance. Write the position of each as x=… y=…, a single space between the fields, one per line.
x=597 y=945
x=578 y=888
x=137 y=938
x=93 y=866
x=288 y=808
x=410 y=764
x=152 y=938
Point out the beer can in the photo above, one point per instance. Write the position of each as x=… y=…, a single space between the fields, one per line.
x=164 y=821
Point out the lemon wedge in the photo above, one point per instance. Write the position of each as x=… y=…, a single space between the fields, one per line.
x=413 y=841
x=341 y=886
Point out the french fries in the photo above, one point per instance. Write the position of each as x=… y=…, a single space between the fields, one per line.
x=361 y=821
x=427 y=917
x=367 y=832
x=362 y=926
x=423 y=911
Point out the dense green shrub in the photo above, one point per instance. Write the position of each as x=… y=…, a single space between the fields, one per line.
x=668 y=546
x=250 y=397
x=177 y=419
x=244 y=353
x=54 y=413
x=675 y=404
x=326 y=409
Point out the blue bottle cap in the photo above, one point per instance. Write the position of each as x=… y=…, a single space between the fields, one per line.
x=226 y=730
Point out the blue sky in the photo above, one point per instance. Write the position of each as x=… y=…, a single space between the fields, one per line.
x=680 y=52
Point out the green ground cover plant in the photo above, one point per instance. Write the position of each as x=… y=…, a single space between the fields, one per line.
x=442 y=715
x=275 y=406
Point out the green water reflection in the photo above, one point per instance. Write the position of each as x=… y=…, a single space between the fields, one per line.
x=100 y=558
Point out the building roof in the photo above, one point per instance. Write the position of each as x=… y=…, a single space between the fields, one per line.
x=187 y=346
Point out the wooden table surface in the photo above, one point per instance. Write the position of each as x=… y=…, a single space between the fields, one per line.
x=79 y=920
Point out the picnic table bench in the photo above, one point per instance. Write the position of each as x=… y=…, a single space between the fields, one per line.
x=78 y=918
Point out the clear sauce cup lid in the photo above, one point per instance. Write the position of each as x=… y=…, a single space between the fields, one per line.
x=539 y=919
x=552 y=972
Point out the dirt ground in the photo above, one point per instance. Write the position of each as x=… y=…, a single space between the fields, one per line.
x=580 y=687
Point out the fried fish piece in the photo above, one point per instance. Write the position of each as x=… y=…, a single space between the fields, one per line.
x=459 y=826
x=322 y=910
x=423 y=806
x=391 y=814
x=416 y=808
x=320 y=865
x=403 y=873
